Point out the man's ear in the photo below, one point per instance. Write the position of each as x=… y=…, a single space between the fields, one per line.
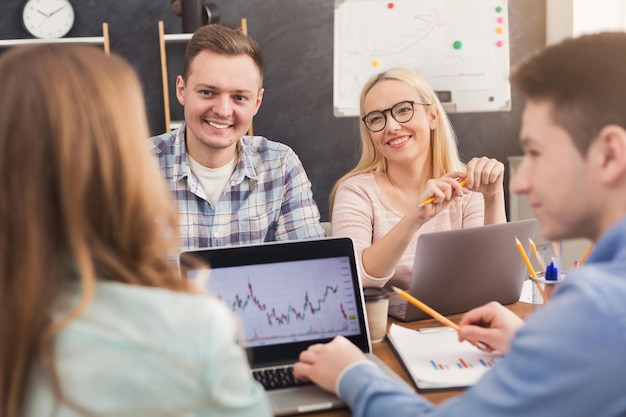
x=180 y=90
x=611 y=151
x=259 y=100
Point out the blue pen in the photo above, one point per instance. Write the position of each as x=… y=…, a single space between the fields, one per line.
x=551 y=272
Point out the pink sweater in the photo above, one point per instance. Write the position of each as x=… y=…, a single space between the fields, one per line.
x=362 y=213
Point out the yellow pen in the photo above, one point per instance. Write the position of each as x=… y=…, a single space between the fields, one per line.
x=533 y=247
x=584 y=257
x=522 y=252
x=431 y=199
x=434 y=314
x=531 y=270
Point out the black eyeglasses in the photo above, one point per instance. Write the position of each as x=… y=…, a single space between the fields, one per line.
x=401 y=112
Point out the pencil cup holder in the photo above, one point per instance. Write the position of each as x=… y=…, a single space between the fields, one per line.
x=376 y=306
x=543 y=289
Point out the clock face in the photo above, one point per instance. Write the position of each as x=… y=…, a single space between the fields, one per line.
x=48 y=18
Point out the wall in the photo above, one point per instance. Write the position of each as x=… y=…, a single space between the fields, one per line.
x=566 y=18
x=297 y=40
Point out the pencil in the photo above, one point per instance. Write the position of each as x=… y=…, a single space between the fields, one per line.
x=555 y=248
x=584 y=257
x=542 y=291
x=522 y=252
x=533 y=247
x=434 y=314
x=431 y=199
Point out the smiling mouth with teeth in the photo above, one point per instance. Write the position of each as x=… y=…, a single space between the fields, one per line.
x=218 y=125
x=397 y=141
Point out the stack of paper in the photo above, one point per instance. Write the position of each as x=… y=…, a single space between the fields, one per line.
x=436 y=360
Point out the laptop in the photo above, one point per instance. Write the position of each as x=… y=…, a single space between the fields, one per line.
x=289 y=295
x=458 y=270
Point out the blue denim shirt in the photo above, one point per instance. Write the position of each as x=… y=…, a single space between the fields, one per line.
x=569 y=359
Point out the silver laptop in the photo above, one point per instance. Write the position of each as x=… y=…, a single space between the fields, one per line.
x=288 y=296
x=457 y=270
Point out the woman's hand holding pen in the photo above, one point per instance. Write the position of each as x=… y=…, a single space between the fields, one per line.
x=439 y=192
x=485 y=175
x=380 y=259
x=492 y=324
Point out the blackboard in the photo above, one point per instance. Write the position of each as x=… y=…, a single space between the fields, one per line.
x=297 y=41
x=461 y=47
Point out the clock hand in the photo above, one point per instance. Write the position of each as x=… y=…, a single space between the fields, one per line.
x=40 y=12
x=57 y=10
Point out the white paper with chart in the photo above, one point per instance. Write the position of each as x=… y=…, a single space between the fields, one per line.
x=435 y=359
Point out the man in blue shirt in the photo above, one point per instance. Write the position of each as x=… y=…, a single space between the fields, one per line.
x=569 y=358
x=231 y=189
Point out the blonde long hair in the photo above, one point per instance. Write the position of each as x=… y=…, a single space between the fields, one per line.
x=445 y=155
x=81 y=198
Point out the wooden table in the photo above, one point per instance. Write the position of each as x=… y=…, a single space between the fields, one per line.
x=384 y=352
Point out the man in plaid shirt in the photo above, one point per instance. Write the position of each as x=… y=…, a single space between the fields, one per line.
x=231 y=189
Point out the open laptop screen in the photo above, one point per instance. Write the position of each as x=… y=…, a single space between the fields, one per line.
x=288 y=295
x=284 y=302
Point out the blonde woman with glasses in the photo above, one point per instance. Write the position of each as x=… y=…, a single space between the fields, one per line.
x=409 y=155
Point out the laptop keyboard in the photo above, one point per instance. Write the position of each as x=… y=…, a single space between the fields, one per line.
x=397 y=310
x=279 y=377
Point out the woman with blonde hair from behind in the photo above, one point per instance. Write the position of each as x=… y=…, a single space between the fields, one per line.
x=409 y=155
x=94 y=317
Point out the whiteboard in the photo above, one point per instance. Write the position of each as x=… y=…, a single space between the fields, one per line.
x=460 y=47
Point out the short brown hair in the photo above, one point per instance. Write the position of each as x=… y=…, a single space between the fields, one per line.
x=584 y=79
x=224 y=41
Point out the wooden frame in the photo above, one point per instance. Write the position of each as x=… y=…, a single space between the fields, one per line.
x=104 y=40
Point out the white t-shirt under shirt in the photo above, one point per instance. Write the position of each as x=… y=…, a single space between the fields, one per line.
x=362 y=212
x=213 y=180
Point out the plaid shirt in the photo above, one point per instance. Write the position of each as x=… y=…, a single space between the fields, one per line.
x=267 y=198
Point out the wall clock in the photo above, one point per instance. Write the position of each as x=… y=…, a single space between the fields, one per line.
x=48 y=19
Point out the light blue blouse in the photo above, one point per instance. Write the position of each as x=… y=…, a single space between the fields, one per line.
x=139 y=351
